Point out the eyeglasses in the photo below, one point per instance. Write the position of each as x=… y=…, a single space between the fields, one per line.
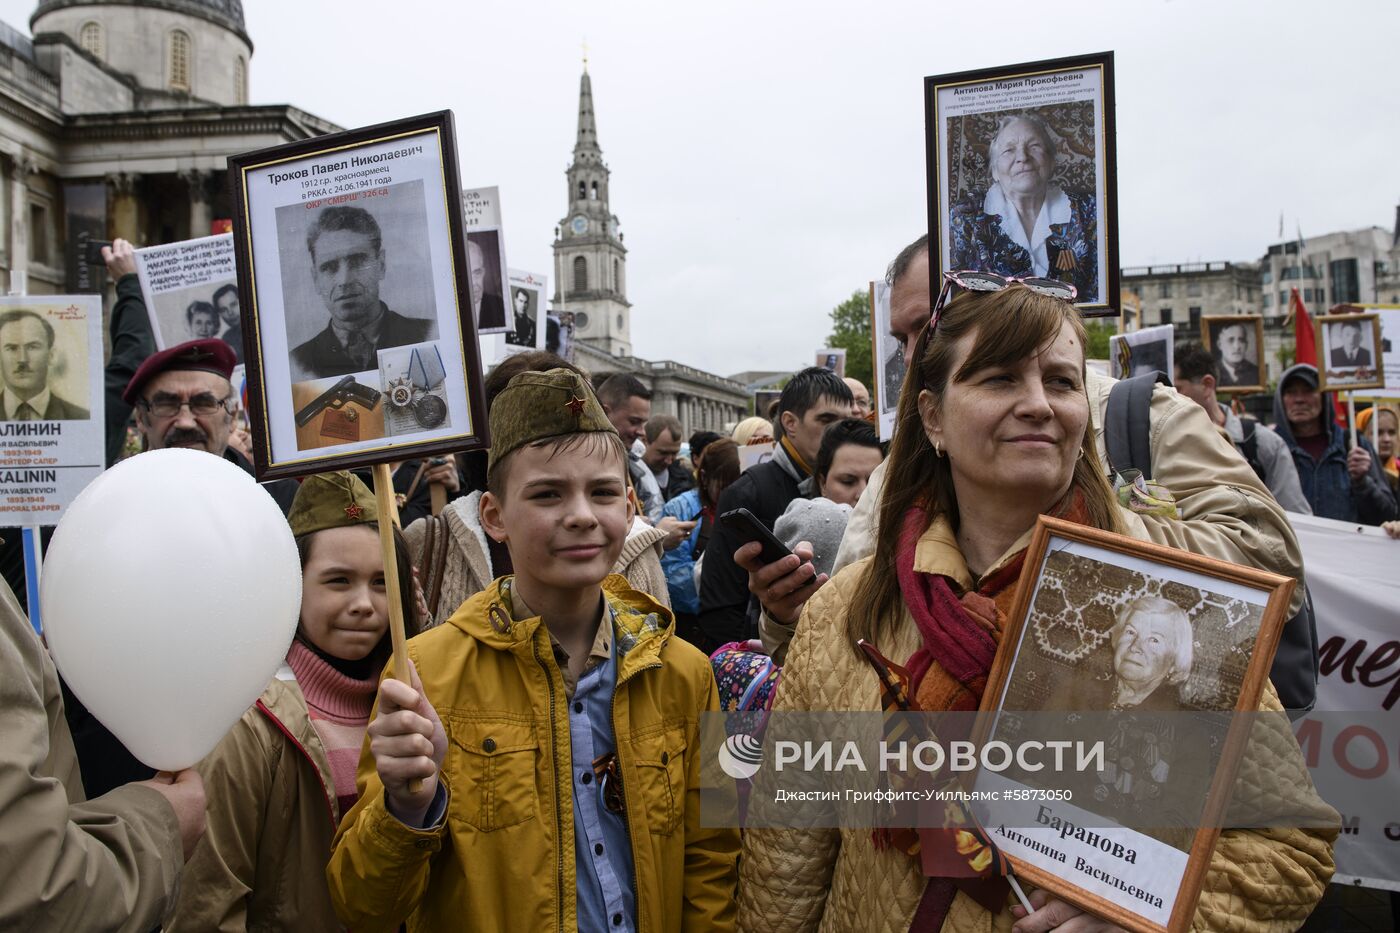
x=168 y=406
x=970 y=280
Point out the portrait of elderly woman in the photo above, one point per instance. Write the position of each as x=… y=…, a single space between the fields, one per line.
x=1151 y=655
x=1020 y=221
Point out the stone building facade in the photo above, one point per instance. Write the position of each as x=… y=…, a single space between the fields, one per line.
x=116 y=120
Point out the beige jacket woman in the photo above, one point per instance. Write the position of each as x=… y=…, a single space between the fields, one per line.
x=832 y=880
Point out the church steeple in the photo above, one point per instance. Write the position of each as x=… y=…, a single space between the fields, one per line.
x=590 y=259
x=587 y=142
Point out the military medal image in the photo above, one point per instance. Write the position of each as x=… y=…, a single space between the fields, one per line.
x=430 y=411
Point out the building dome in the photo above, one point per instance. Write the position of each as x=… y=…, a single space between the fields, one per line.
x=178 y=53
x=225 y=13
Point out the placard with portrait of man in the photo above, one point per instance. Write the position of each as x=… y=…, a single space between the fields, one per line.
x=52 y=432
x=1237 y=342
x=351 y=249
x=1350 y=345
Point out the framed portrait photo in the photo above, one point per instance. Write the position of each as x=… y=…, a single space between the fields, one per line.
x=530 y=326
x=486 y=258
x=1389 y=316
x=1151 y=653
x=765 y=402
x=1143 y=351
x=1350 y=349
x=1237 y=343
x=888 y=356
x=358 y=333
x=52 y=432
x=1022 y=174
x=832 y=358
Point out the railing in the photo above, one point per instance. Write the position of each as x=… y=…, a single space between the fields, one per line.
x=28 y=76
x=1181 y=268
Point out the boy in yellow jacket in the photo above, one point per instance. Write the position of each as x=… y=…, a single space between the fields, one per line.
x=552 y=721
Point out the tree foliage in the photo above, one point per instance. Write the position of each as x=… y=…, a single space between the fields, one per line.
x=1098 y=333
x=850 y=331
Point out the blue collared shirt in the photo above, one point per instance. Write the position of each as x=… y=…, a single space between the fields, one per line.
x=607 y=899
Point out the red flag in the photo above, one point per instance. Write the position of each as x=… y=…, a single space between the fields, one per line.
x=1305 y=347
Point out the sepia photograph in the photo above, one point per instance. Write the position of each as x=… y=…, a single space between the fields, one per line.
x=1144 y=649
x=1142 y=351
x=1350 y=346
x=352 y=255
x=1237 y=343
x=51 y=370
x=1022 y=174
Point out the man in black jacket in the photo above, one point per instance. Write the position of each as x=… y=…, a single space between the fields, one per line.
x=811 y=400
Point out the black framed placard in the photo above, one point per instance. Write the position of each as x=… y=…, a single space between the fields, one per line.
x=1022 y=174
x=358 y=335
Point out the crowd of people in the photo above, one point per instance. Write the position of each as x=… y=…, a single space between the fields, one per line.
x=567 y=608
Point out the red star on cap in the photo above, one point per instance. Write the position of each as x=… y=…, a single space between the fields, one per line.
x=575 y=405
x=353 y=511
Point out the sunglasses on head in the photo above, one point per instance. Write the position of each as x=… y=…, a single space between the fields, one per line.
x=970 y=280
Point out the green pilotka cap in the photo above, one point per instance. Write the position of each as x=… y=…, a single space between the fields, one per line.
x=331 y=500
x=536 y=405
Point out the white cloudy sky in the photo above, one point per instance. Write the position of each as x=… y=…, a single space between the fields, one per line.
x=768 y=157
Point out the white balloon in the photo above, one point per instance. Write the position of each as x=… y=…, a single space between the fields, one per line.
x=170 y=595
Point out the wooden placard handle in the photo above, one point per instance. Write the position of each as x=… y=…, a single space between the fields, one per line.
x=388 y=520
x=438 y=493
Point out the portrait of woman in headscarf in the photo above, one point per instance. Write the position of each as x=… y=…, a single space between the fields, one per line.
x=1022 y=223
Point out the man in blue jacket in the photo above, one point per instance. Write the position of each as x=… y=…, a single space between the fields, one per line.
x=1338 y=483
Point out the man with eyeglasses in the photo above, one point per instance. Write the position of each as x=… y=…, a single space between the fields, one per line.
x=183 y=398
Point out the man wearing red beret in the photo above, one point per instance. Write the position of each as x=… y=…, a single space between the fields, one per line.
x=183 y=398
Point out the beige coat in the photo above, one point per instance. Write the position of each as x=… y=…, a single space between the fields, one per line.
x=834 y=881
x=272 y=814
x=68 y=863
x=467 y=569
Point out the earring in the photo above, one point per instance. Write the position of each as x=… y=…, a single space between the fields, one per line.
x=937 y=449
x=1081 y=454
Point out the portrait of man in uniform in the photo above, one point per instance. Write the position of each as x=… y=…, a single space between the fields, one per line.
x=26 y=354
x=348 y=264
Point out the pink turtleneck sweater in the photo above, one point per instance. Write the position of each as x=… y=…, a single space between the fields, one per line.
x=340 y=708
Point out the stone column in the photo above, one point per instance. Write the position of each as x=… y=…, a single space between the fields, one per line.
x=20 y=168
x=125 y=217
x=198 y=182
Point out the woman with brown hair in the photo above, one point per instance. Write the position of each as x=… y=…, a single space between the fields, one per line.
x=716 y=468
x=992 y=431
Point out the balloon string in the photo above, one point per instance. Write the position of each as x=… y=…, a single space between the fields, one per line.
x=388 y=520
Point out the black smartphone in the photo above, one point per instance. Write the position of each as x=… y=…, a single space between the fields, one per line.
x=748 y=528
x=94 y=252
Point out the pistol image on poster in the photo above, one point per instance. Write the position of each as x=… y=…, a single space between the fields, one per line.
x=337 y=396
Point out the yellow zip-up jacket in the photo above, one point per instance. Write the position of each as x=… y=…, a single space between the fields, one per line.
x=502 y=859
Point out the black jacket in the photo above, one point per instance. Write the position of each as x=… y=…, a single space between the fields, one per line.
x=132 y=342
x=765 y=490
x=323 y=356
x=679 y=480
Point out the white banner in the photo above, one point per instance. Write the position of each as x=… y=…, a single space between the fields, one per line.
x=1352 y=740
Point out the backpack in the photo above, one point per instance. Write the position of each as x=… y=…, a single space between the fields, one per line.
x=1127 y=437
x=1249 y=448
